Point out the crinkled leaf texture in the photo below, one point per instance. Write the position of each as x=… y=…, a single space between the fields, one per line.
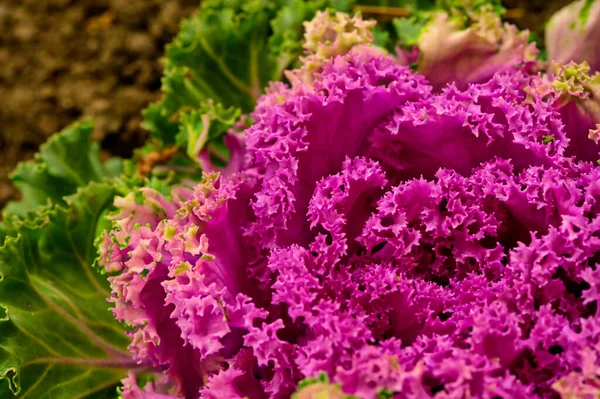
x=211 y=136
x=57 y=337
x=229 y=52
x=405 y=241
x=68 y=160
x=575 y=92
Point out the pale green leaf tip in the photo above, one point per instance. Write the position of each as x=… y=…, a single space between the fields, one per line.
x=3 y=309
x=11 y=375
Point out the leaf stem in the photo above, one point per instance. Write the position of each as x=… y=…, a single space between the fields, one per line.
x=123 y=363
x=383 y=10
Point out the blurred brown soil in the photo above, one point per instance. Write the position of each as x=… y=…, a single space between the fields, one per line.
x=61 y=60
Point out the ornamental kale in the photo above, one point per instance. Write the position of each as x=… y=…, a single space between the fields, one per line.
x=400 y=239
x=423 y=223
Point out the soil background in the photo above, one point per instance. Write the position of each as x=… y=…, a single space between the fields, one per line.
x=62 y=60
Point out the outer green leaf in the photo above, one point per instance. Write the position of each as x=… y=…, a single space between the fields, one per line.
x=57 y=336
x=465 y=6
x=206 y=125
x=66 y=161
x=229 y=52
x=408 y=30
x=409 y=4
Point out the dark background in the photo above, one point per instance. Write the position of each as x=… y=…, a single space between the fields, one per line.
x=61 y=60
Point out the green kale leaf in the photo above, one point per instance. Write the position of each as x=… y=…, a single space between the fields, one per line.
x=58 y=338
